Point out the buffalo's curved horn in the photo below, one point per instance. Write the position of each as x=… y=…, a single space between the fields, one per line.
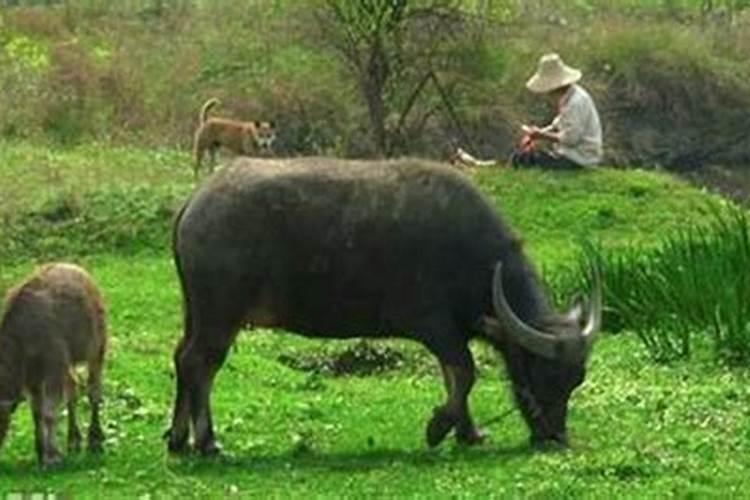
x=567 y=347
x=538 y=342
x=594 y=321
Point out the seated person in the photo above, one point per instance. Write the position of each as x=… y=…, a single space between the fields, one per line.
x=575 y=135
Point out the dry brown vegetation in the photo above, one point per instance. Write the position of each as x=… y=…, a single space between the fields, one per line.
x=671 y=81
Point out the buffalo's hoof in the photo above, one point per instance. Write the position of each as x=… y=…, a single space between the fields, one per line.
x=50 y=459
x=95 y=446
x=209 y=449
x=553 y=443
x=74 y=443
x=95 y=441
x=177 y=445
x=440 y=425
x=470 y=436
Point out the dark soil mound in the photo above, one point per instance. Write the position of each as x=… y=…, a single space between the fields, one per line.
x=362 y=359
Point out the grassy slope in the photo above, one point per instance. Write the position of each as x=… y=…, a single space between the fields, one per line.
x=556 y=211
x=639 y=429
x=30 y=173
x=553 y=211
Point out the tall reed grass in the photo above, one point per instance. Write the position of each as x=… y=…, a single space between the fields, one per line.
x=691 y=289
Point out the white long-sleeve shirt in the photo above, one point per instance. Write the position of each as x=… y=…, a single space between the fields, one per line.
x=579 y=127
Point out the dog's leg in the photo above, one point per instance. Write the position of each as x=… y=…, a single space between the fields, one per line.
x=247 y=144
x=198 y=151
x=212 y=152
x=197 y=162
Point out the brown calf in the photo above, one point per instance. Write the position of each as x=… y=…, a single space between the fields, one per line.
x=52 y=322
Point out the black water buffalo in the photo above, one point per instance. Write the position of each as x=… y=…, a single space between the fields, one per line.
x=340 y=249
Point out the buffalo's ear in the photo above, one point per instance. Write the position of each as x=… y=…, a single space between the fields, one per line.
x=575 y=313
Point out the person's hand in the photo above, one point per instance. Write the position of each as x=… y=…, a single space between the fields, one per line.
x=532 y=131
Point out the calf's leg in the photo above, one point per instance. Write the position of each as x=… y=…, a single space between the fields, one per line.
x=74 y=434
x=95 y=438
x=44 y=402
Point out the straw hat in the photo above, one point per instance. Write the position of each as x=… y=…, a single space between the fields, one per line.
x=552 y=73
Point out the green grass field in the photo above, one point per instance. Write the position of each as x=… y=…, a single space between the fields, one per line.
x=638 y=429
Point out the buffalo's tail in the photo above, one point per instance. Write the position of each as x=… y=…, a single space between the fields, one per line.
x=186 y=309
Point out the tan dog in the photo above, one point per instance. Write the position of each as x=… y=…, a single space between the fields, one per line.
x=242 y=138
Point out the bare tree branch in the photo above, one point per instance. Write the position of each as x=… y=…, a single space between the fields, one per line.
x=393 y=47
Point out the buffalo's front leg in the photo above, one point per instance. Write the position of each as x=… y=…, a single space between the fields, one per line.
x=459 y=376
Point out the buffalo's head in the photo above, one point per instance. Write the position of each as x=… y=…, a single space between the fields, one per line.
x=545 y=362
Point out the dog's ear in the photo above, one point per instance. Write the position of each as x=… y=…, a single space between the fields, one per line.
x=272 y=124
x=257 y=124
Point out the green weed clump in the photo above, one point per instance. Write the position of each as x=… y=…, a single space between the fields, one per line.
x=118 y=220
x=691 y=290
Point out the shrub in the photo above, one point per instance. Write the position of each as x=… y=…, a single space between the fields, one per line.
x=669 y=96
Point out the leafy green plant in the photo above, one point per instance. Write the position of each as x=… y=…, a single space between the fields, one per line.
x=26 y=52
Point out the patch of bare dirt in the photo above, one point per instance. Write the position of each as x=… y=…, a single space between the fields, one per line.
x=362 y=359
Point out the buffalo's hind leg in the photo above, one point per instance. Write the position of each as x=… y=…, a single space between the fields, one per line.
x=203 y=358
x=198 y=357
x=179 y=433
x=457 y=365
x=213 y=317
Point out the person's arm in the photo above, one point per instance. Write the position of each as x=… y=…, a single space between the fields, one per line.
x=553 y=126
x=571 y=124
x=549 y=133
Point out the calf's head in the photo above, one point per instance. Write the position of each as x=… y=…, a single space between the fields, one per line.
x=545 y=362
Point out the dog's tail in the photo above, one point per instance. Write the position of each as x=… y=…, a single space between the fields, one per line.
x=206 y=108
